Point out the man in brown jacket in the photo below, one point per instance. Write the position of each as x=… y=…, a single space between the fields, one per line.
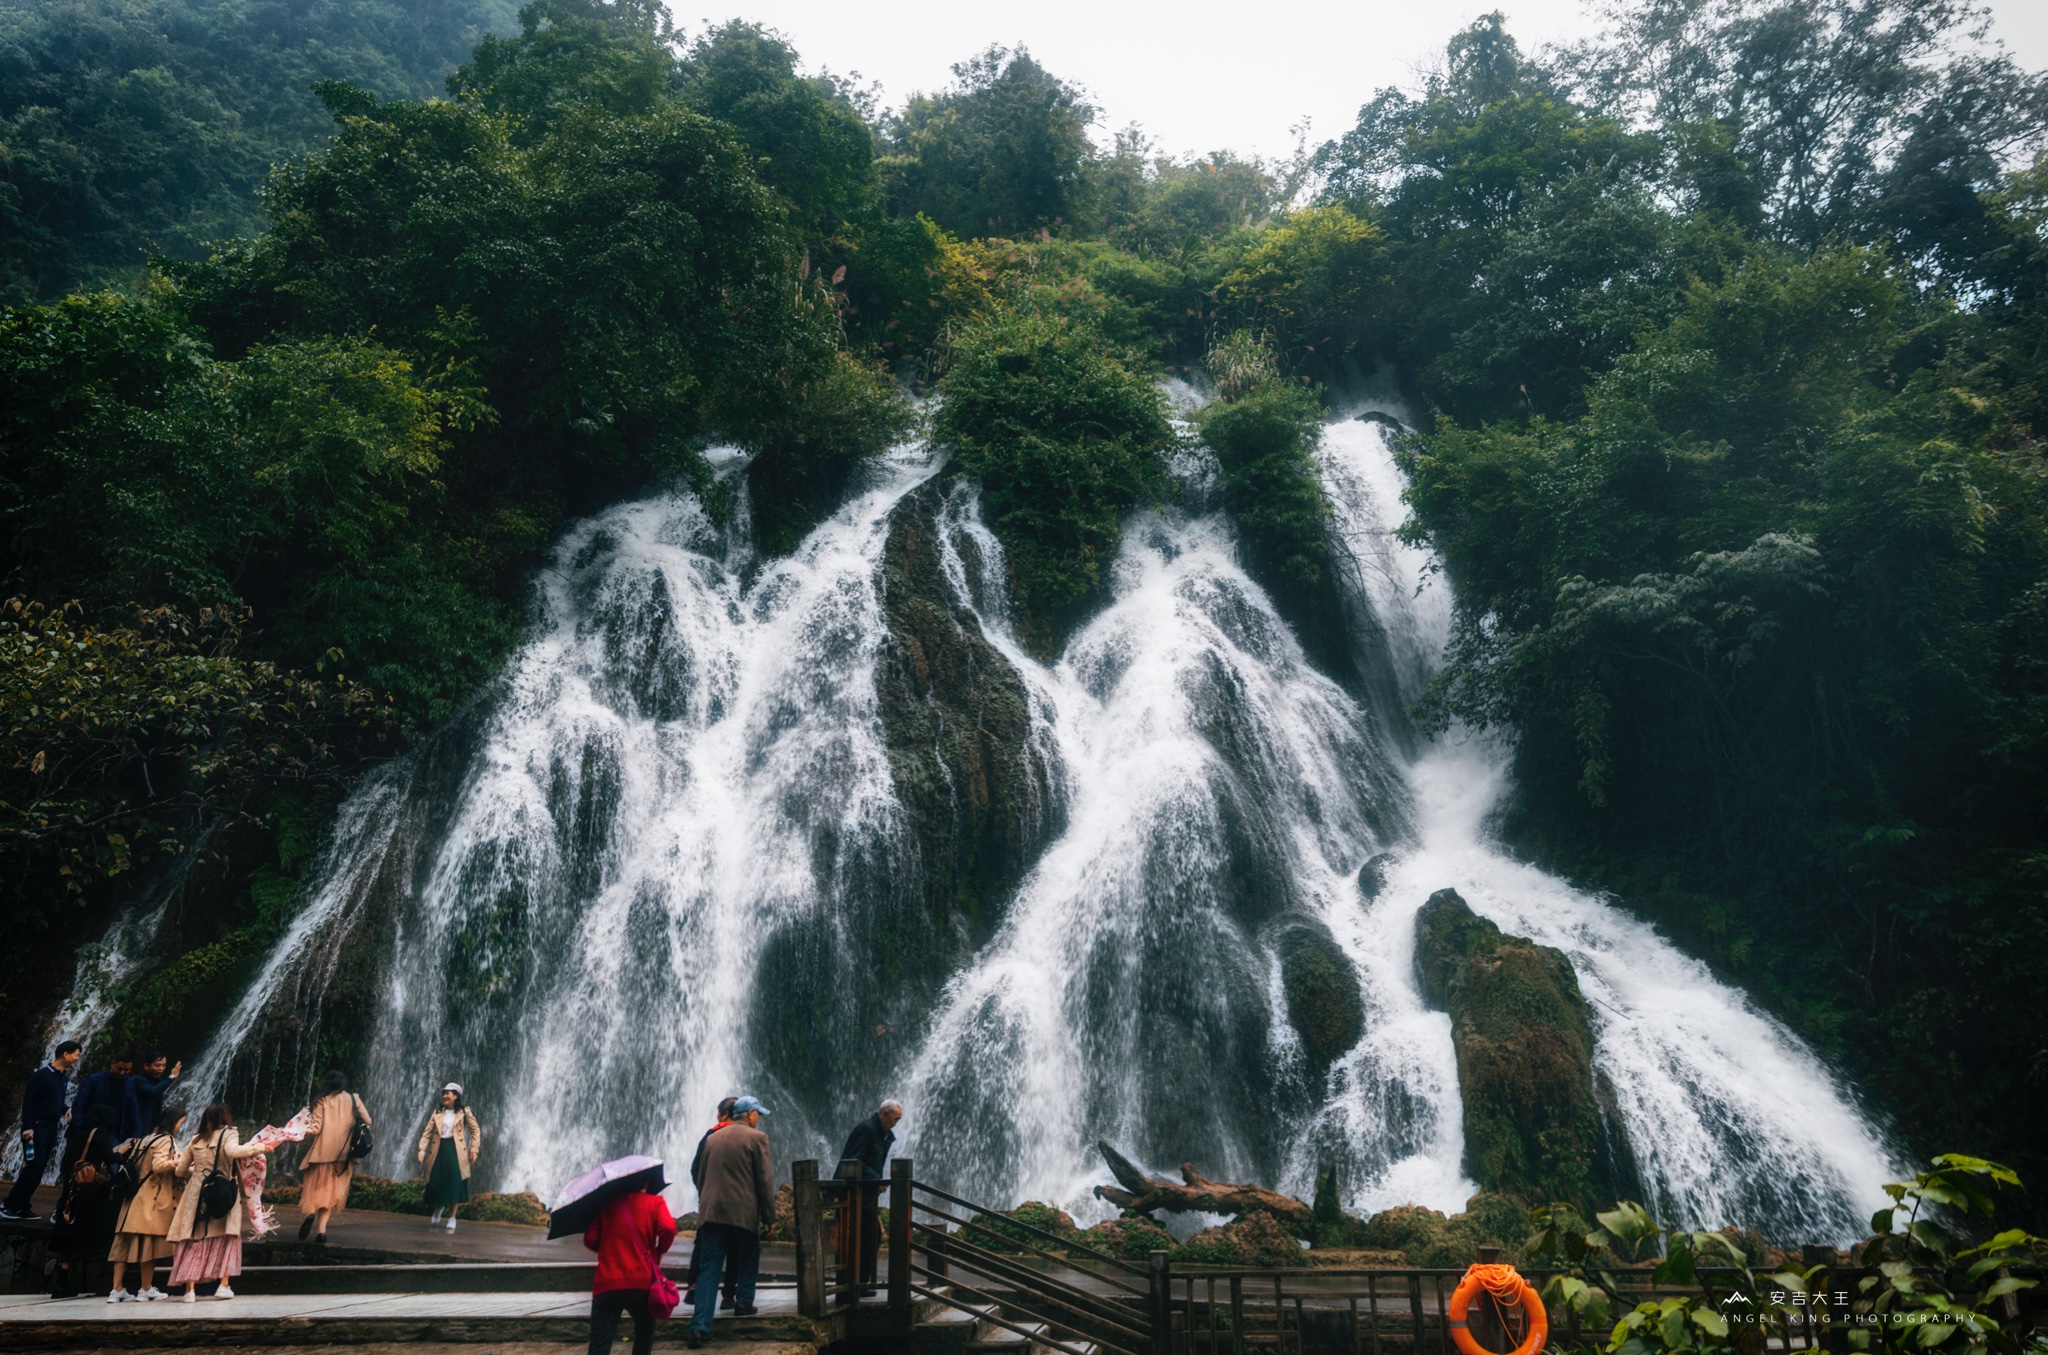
x=737 y=1197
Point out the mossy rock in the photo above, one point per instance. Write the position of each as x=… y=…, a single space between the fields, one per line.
x=1253 y=1240
x=978 y=806
x=1324 y=1004
x=1127 y=1239
x=1042 y=1217
x=410 y=1197
x=1535 y=1127
x=1431 y=1240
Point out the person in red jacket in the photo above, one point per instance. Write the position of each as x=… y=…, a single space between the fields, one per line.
x=629 y=1237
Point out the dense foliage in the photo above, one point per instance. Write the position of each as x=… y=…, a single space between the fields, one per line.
x=1065 y=440
x=1754 y=566
x=128 y=129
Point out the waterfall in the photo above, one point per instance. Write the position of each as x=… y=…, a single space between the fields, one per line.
x=634 y=874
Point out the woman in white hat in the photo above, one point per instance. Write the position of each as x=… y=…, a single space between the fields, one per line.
x=452 y=1137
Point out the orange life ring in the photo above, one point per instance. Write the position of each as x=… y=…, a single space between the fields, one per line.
x=1508 y=1289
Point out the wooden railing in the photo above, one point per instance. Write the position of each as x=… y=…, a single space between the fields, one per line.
x=1068 y=1297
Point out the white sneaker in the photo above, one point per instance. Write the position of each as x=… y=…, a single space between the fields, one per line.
x=151 y=1295
x=118 y=1296
x=223 y=1293
x=435 y=1217
x=451 y=1225
x=189 y=1296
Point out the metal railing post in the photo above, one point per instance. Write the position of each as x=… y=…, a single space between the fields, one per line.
x=899 y=1253
x=810 y=1238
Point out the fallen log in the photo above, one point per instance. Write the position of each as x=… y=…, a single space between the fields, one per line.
x=1193 y=1194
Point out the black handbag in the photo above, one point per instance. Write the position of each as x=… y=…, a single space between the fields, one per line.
x=123 y=1177
x=359 y=1140
x=217 y=1190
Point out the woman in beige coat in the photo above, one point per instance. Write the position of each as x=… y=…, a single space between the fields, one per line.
x=141 y=1236
x=448 y=1147
x=209 y=1249
x=326 y=1169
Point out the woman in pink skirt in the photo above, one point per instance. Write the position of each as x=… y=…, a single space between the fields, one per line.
x=326 y=1168
x=209 y=1249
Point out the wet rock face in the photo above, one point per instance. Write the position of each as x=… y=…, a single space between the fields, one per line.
x=1535 y=1126
x=1324 y=1004
x=957 y=724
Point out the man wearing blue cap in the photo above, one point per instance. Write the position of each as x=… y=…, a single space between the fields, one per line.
x=735 y=1199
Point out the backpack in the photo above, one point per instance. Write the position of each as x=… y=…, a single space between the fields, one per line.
x=218 y=1190
x=125 y=1177
x=360 y=1141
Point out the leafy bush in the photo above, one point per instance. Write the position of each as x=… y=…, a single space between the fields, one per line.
x=989 y=1232
x=1129 y=1239
x=1065 y=440
x=1265 y=442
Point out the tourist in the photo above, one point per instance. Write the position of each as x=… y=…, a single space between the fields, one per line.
x=140 y=1232
x=452 y=1136
x=629 y=1236
x=209 y=1248
x=869 y=1144
x=43 y=1111
x=147 y=1088
x=82 y=1225
x=97 y=1107
x=697 y=1179
x=328 y=1166
x=737 y=1197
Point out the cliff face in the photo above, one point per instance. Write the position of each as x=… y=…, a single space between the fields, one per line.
x=838 y=998
x=1538 y=1123
x=974 y=787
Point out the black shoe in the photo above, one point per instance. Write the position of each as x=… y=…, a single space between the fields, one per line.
x=745 y=1310
x=22 y=1215
x=320 y=1241
x=305 y=1228
x=725 y=1304
x=695 y=1342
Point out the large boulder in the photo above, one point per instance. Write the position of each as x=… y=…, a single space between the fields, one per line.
x=1539 y=1124
x=1324 y=1004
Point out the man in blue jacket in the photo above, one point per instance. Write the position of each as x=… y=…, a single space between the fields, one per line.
x=43 y=1110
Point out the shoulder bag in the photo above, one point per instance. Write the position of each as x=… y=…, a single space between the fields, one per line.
x=662 y=1294
x=218 y=1190
x=126 y=1176
x=360 y=1141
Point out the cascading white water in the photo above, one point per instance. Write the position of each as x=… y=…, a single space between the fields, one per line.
x=684 y=758
x=571 y=897
x=1155 y=703
x=1729 y=1117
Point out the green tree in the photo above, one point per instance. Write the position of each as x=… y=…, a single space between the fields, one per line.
x=1525 y=243
x=130 y=129
x=1005 y=151
x=1065 y=440
x=811 y=144
x=1764 y=620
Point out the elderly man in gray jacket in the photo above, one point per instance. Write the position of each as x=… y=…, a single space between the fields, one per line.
x=737 y=1197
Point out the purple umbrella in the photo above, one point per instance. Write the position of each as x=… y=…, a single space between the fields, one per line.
x=578 y=1203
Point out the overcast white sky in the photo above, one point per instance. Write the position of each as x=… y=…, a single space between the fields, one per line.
x=1200 y=75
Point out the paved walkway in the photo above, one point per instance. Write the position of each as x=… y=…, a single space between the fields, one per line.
x=16 y=1308
x=415 y=1321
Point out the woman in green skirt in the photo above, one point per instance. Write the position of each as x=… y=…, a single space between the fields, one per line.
x=448 y=1149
